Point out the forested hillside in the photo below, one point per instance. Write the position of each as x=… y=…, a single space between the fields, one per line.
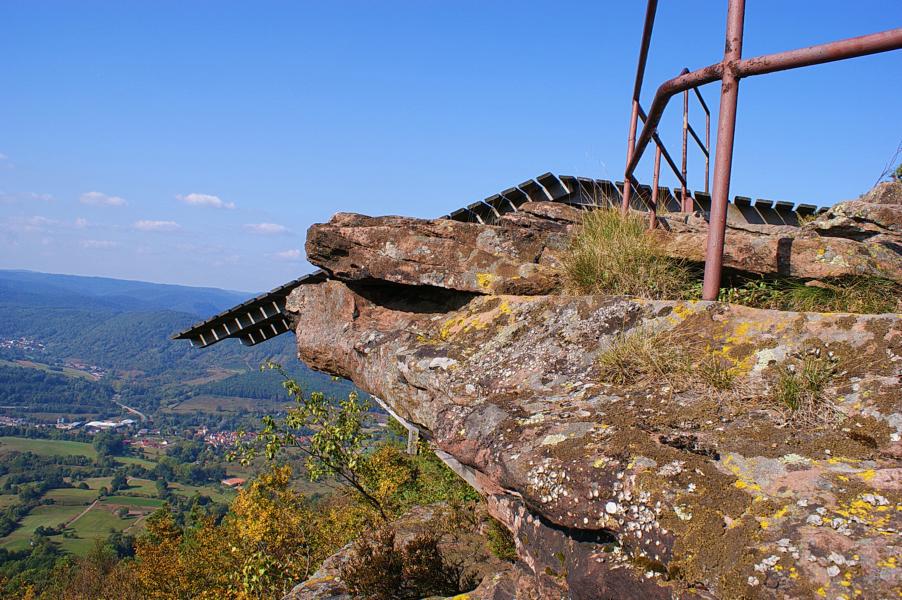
x=118 y=336
x=125 y=326
x=24 y=390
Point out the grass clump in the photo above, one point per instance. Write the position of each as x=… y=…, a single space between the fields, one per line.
x=716 y=372
x=641 y=354
x=799 y=390
x=611 y=253
x=866 y=295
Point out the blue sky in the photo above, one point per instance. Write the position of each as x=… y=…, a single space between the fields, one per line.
x=194 y=142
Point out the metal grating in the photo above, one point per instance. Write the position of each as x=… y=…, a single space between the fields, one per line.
x=264 y=316
x=254 y=321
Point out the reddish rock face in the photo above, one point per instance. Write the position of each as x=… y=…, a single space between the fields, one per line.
x=522 y=254
x=783 y=250
x=619 y=488
x=442 y=253
x=876 y=216
x=669 y=485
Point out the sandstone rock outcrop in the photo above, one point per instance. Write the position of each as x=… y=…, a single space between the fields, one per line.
x=522 y=253
x=441 y=253
x=664 y=486
x=876 y=216
x=788 y=251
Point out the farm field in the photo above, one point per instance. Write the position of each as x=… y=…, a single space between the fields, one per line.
x=96 y=524
x=140 y=487
x=227 y=404
x=129 y=501
x=215 y=492
x=135 y=460
x=71 y=496
x=46 y=447
x=7 y=500
x=67 y=371
x=46 y=516
x=95 y=483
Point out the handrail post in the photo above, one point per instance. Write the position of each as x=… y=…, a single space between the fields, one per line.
x=650 y=10
x=707 y=148
x=683 y=199
x=723 y=159
x=653 y=213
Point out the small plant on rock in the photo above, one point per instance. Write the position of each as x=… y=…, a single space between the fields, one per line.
x=799 y=390
x=716 y=372
x=612 y=253
x=500 y=541
x=378 y=570
x=869 y=295
x=640 y=354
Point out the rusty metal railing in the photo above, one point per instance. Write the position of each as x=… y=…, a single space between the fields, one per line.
x=729 y=71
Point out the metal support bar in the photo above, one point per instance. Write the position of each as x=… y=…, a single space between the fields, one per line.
x=653 y=213
x=413 y=438
x=666 y=154
x=729 y=71
x=851 y=48
x=683 y=195
x=650 y=10
x=723 y=158
x=701 y=144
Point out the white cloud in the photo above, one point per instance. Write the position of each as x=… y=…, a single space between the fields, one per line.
x=266 y=228
x=289 y=255
x=98 y=244
x=101 y=199
x=207 y=200
x=11 y=198
x=37 y=224
x=81 y=223
x=157 y=225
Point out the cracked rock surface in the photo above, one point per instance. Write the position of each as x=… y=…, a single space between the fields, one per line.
x=661 y=487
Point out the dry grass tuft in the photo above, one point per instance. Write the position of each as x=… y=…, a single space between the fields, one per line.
x=799 y=392
x=716 y=372
x=639 y=355
x=611 y=253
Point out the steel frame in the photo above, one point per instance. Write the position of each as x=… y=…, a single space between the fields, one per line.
x=730 y=70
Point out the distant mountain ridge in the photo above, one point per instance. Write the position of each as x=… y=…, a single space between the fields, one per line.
x=121 y=294
x=122 y=325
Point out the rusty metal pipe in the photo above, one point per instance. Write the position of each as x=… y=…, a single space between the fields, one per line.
x=653 y=212
x=701 y=100
x=822 y=53
x=668 y=89
x=666 y=154
x=707 y=147
x=650 y=10
x=723 y=158
x=698 y=140
x=683 y=194
x=630 y=145
x=759 y=65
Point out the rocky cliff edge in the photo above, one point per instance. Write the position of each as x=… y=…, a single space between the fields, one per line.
x=664 y=486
